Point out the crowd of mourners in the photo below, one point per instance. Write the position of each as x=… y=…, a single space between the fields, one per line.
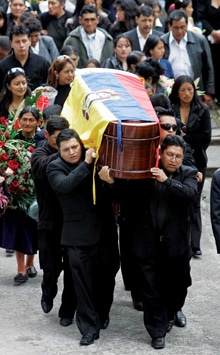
x=150 y=228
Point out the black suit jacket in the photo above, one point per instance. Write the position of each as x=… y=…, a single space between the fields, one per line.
x=134 y=38
x=161 y=214
x=215 y=207
x=73 y=185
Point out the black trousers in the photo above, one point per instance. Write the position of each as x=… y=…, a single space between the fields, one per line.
x=195 y=214
x=164 y=283
x=82 y=262
x=53 y=259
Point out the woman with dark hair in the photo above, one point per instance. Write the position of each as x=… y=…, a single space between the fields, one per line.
x=133 y=58
x=92 y=63
x=15 y=89
x=71 y=52
x=196 y=131
x=18 y=7
x=18 y=230
x=154 y=47
x=126 y=10
x=122 y=47
x=73 y=22
x=150 y=70
x=3 y=22
x=60 y=76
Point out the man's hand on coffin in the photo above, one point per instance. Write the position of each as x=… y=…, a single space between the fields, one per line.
x=104 y=175
x=89 y=155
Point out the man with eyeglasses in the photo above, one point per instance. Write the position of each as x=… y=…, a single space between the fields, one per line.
x=35 y=66
x=91 y=42
x=189 y=53
x=161 y=242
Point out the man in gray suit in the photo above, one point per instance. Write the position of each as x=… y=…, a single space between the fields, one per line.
x=41 y=45
x=144 y=21
x=189 y=53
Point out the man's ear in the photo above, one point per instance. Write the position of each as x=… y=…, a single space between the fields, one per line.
x=80 y=20
x=46 y=134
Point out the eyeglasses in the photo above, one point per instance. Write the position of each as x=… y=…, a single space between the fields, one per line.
x=61 y=57
x=173 y=156
x=14 y=70
x=167 y=126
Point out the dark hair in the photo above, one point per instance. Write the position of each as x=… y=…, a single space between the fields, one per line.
x=6 y=94
x=151 y=43
x=51 y=110
x=66 y=134
x=93 y=61
x=26 y=15
x=33 y=24
x=56 y=123
x=68 y=49
x=57 y=65
x=3 y=15
x=149 y=68
x=33 y=110
x=145 y=10
x=171 y=140
x=152 y=3
x=118 y=37
x=4 y=43
x=177 y=15
x=88 y=9
x=130 y=9
x=174 y=95
x=79 y=6
x=160 y=100
x=181 y=4
x=134 y=57
x=18 y=30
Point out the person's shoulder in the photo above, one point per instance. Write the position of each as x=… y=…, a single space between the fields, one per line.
x=46 y=39
x=44 y=16
x=131 y=32
x=188 y=170
x=107 y=35
x=158 y=33
x=75 y=32
x=36 y=58
x=216 y=175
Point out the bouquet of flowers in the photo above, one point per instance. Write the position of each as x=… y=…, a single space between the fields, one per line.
x=167 y=83
x=15 y=158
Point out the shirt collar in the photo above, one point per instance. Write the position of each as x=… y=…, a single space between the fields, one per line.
x=172 y=39
x=140 y=35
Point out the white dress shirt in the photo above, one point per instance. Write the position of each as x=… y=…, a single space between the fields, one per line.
x=94 y=43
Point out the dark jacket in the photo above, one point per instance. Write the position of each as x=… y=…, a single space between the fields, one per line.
x=47 y=48
x=161 y=214
x=215 y=207
x=75 y=40
x=73 y=186
x=50 y=212
x=112 y=63
x=198 y=132
x=134 y=38
x=36 y=69
x=200 y=58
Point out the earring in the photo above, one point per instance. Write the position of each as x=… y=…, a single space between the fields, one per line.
x=57 y=77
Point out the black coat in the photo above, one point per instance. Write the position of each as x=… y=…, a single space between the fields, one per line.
x=134 y=38
x=161 y=214
x=73 y=185
x=215 y=208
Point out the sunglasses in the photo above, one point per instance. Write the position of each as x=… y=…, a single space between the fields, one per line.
x=61 y=57
x=167 y=126
x=14 y=70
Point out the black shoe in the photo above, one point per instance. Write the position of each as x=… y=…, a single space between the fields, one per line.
x=158 y=343
x=88 y=338
x=170 y=325
x=196 y=252
x=180 y=319
x=32 y=272
x=104 y=324
x=66 y=321
x=20 y=279
x=46 y=305
x=138 y=305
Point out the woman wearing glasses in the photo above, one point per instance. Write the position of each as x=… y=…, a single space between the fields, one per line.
x=14 y=90
x=60 y=76
x=196 y=130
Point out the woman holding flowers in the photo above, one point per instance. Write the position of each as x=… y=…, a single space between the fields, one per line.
x=19 y=231
x=15 y=89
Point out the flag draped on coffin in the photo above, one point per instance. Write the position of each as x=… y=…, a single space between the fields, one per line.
x=99 y=96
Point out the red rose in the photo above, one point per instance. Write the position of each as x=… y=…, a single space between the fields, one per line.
x=6 y=134
x=13 y=164
x=3 y=157
x=25 y=176
x=31 y=149
x=16 y=124
x=42 y=102
x=3 y=121
x=2 y=144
